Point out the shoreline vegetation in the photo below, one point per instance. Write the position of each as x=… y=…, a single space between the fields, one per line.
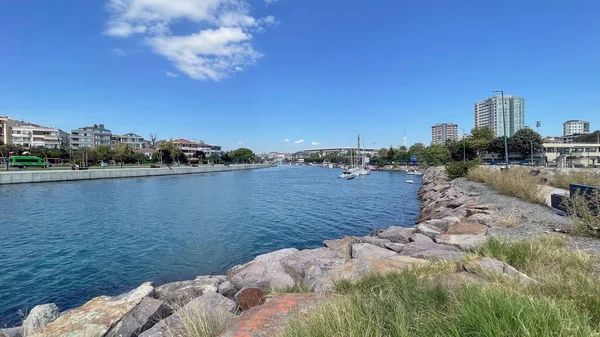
x=446 y=276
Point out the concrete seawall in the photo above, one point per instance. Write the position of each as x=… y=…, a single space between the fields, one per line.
x=22 y=177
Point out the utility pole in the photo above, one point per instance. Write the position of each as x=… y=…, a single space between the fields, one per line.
x=504 y=127
x=532 y=153
x=464 y=147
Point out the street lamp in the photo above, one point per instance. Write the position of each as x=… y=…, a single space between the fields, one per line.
x=504 y=127
x=464 y=147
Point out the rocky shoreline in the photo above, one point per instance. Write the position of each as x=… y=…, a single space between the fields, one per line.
x=256 y=297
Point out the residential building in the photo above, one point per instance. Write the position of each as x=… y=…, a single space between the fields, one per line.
x=33 y=135
x=147 y=152
x=488 y=113
x=91 y=136
x=576 y=127
x=6 y=125
x=440 y=133
x=572 y=155
x=341 y=150
x=135 y=141
x=190 y=147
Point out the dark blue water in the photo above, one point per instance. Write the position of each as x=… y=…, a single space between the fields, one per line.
x=69 y=242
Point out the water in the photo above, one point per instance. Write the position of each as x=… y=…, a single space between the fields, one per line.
x=69 y=242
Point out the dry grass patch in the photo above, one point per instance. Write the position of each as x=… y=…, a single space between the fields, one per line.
x=585 y=214
x=509 y=220
x=514 y=182
x=565 y=179
x=197 y=322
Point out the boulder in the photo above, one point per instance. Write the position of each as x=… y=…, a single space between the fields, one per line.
x=421 y=238
x=461 y=200
x=368 y=251
x=485 y=266
x=11 y=332
x=265 y=272
x=375 y=241
x=271 y=318
x=397 y=234
x=480 y=218
x=397 y=247
x=432 y=251
x=429 y=230
x=464 y=242
x=323 y=275
x=178 y=294
x=210 y=306
x=97 y=316
x=249 y=298
x=343 y=245
x=469 y=228
x=296 y=264
x=227 y=289
x=39 y=317
x=143 y=317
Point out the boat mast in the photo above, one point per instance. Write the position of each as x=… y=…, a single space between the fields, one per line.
x=358 y=151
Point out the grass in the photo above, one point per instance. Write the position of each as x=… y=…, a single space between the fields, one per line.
x=509 y=220
x=196 y=322
x=585 y=214
x=514 y=182
x=565 y=179
x=564 y=302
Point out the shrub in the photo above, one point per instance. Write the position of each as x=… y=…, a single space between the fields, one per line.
x=565 y=179
x=515 y=182
x=585 y=215
x=460 y=169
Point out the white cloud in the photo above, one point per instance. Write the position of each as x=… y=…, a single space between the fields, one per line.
x=315 y=143
x=299 y=141
x=170 y=74
x=119 y=52
x=221 y=48
x=240 y=142
x=270 y=2
x=286 y=140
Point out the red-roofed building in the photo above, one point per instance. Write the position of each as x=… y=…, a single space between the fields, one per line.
x=190 y=147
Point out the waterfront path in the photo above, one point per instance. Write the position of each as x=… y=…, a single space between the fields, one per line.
x=38 y=176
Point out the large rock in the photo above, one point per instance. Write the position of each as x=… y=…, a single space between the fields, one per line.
x=323 y=275
x=11 y=332
x=343 y=245
x=296 y=264
x=271 y=318
x=97 y=316
x=227 y=289
x=265 y=272
x=486 y=266
x=39 y=317
x=429 y=230
x=178 y=294
x=467 y=228
x=367 y=251
x=210 y=306
x=421 y=238
x=143 y=317
x=432 y=251
x=249 y=298
x=375 y=241
x=480 y=218
x=464 y=242
x=397 y=247
x=397 y=234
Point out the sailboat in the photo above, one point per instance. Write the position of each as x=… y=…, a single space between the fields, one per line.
x=362 y=170
x=355 y=170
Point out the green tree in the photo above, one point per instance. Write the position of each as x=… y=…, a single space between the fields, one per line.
x=214 y=158
x=401 y=154
x=226 y=157
x=435 y=155
x=481 y=138
x=242 y=155
x=523 y=140
x=124 y=153
x=105 y=153
x=390 y=153
x=382 y=153
x=497 y=146
x=416 y=150
x=593 y=137
x=460 y=149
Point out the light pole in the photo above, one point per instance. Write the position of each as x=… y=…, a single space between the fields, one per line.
x=531 y=152
x=504 y=127
x=464 y=147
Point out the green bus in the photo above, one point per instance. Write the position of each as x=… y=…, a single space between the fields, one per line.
x=27 y=161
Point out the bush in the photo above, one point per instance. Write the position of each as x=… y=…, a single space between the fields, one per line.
x=585 y=214
x=565 y=179
x=516 y=182
x=460 y=169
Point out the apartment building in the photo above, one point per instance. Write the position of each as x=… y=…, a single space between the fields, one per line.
x=6 y=125
x=33 y=135
x=489 y=113
x=576 y=127
x=92 y=136
x=440 y=133
x=135 y=141
x=189 y=148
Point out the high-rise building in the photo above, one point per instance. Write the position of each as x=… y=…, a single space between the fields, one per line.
x=91 y=136
x=575 y=127
x=488 y=113
x=440 y=133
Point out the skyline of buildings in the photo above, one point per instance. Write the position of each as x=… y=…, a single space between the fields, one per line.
x=440 y=133
x=489 y=112
x=576 y=127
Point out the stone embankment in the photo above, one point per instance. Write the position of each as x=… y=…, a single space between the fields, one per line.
x=451 y=223
x=39 y=176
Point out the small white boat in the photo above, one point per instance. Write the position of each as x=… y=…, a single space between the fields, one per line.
x=411 y=173
x=410 y=182
x=348 y=174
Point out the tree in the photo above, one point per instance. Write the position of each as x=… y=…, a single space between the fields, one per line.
x=153 y=137
x=124 y=152
x=593 y=137
x=171 y=153
x=460 y=149
x=226 y=157
x=416 y=150
x=481 y=138
x=523 y=140
x=435 y=155
x=105 y=153
x=401 y=154
x=242 y=155
x=497 y=146
x=390 y=154
x=200 y=155
x=214 y=158
x=382 y=153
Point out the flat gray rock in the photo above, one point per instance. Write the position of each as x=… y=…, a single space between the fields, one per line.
x=11 y=332
x=375 y=241
x=296 y=264
x=318 y=276
x=143 y=317
x=368 y=251
x=265 y=272
x=421 y=238
x=178 y=294
x=397 y=234
x=432 y=251
x=343 y=245
x=493 y=266
x=39 y=317
x=464 y=242
x=397 y=247
x=227 y=289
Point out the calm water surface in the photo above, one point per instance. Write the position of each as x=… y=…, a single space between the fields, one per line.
x=69 y=242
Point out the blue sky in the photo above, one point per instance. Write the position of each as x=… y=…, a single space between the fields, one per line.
x=258 y=72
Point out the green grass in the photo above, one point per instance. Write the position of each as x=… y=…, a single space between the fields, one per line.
x=418 y=302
